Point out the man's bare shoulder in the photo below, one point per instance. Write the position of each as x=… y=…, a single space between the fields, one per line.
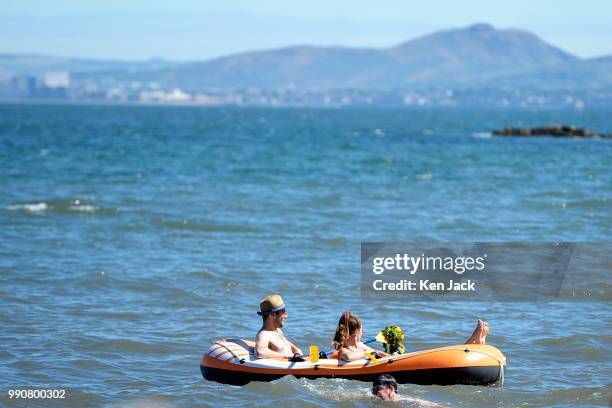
x=263 y=334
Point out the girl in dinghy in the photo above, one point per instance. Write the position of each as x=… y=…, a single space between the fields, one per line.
x=347 y=340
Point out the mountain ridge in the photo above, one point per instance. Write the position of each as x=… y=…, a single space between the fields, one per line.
x=475 y=55
x=461 y=55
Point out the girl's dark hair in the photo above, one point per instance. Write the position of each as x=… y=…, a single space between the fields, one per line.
x=347 y=325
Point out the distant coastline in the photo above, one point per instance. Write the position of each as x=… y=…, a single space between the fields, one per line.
x=255 y=104
x=478 y=66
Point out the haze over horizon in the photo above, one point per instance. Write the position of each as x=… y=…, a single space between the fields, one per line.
x=189 y=30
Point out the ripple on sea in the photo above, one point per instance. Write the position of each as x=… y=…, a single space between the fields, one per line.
x=203 y=226
x=63 y=206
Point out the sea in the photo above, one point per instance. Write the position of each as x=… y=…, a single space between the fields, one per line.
x=132 y=237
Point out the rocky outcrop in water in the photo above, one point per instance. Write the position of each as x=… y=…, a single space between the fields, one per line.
x=553 y=130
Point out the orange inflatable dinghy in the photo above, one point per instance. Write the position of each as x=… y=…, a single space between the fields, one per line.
x=232 y=361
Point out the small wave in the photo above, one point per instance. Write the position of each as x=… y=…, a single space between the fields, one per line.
x=328 y=200
x=418 y=402
x=202 y=226
x=425 y=176
x=604 y=202
x=578 y=340
x=84 y=208
x=334 y=241
x=61 y=206
x=482 y=135
x=581 y=395
x=429 y=314
x=148 y=402
x=120 y=346
x=344 y=390
x=35 y=207
x=336 y=390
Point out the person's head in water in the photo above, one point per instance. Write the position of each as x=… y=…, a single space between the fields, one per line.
x=272 y=311
x=385 y=388
x=348 y=330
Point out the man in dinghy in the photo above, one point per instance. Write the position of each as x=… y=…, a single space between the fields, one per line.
x=270 y=341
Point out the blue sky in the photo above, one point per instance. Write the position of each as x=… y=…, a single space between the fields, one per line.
x=197 y=30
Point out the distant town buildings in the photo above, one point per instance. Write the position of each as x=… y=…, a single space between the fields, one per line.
x=51 y=85
x=56 y=79
x=61 y=86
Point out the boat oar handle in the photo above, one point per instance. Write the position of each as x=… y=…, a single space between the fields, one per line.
x=372 y=357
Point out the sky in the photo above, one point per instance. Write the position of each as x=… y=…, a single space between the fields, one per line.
x=198 y=29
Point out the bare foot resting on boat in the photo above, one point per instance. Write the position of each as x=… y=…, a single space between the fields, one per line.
x=480 y=333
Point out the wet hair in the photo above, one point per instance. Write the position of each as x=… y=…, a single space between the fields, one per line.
x=347 y=325
x=385 y=380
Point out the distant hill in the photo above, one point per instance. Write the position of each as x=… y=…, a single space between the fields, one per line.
x=586 y=75
x=478 y=55
x=475 y=53
x=39 y=64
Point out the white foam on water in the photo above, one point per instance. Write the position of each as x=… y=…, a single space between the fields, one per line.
x=419 y=402
x=84 y=208
x=35 y=207
x=482 y=135
x=426 y=176
x=337 y=389
x=346 y=390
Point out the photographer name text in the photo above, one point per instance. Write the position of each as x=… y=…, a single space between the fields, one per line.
x=424 y=285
